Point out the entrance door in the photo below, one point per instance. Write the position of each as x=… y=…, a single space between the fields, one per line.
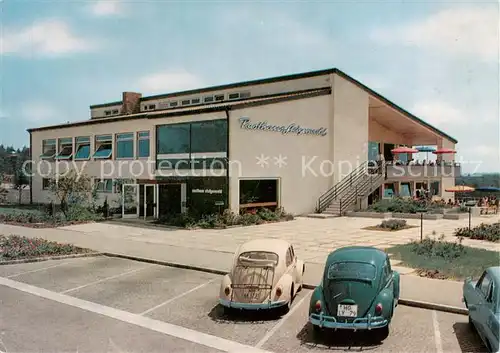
x=130 y=201
x=150 y=201
x=169 y=199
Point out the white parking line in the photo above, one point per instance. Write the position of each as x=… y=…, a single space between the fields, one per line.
x=178 y=296
x=138 y=320
x=104 y=279
x=280 y=323
x=437 y=332
x=37 y=270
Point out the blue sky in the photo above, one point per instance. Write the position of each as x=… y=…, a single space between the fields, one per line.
x=439 y=60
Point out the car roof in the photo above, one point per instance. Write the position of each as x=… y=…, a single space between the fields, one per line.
x=495 y=274
x=357 y=253
x=278 y=246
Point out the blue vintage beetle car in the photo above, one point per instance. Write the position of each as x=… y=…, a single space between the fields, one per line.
x=359 y=291
x=482 y=298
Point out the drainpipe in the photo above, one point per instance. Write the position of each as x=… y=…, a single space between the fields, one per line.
x=31 y=171
x=227 y=158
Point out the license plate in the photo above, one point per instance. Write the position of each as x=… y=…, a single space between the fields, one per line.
x=347 y=310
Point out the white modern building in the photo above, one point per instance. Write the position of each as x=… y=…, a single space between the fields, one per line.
x=301 y=142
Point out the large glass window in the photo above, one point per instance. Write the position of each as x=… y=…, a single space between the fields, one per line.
x=258 y=193
x=373 y=150
x=209 y=136
x=356 y=270
x=103 y=146
x=48 y=148
x=173 y=138
x=104 y=185
x=125 y=145
x=405 y=189
x=143 y=144
x=82 y=147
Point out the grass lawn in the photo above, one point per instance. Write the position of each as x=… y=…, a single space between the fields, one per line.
x=444 y=260
x=14 y=247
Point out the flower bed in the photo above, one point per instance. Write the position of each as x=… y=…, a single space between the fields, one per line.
x=391 y=225
x=40 y=219
x=408 y=206
x=227 y=219
x=437 y=258
x=488 y=232
x=15 y=247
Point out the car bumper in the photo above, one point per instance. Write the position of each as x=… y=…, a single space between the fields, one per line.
x=252 y=306
x=371 y=322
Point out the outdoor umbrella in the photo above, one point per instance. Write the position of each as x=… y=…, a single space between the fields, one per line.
x=404 y=150
x=444 y=151
x=488 y=189
x=425 y=149
x=460 y=188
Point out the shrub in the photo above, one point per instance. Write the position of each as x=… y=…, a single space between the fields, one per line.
x=489 y=232
x=226 y=219
x=393 y=224
x=80 y=213
x=16 y=247
x=439 y=248
x=397 y=204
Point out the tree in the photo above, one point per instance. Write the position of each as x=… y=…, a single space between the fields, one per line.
x=70 y=186
x=21 y=181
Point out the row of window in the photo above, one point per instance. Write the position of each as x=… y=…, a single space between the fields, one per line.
x=101 y=185
x=128 y=145
x=198 y=100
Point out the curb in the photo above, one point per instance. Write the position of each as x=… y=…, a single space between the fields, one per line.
x=166 y=263
x=405 y=302
x=47 y=258
x=433 y=306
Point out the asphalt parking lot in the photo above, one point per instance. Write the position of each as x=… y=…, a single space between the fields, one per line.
x=105 y=304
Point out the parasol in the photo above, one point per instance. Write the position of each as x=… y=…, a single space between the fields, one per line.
x=425 y=149
x=444 y=151
x=460 y=188
x=488 y=189
x=404 y=150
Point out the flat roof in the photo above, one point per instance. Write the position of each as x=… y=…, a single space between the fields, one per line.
x=250 y=83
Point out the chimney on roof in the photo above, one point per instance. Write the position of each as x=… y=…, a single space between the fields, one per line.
x=130 y=102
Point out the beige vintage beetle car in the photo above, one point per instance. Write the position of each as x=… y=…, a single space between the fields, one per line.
x=265 y=274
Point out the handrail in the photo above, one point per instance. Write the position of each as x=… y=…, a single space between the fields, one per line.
x=367 y=186
x=334 y=192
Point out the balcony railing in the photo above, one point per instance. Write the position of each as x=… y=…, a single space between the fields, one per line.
x=405 y=171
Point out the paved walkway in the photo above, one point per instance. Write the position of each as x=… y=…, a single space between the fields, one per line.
x=313 y=239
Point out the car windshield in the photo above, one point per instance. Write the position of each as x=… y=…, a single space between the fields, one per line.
x=258 y=258
x=352 y=270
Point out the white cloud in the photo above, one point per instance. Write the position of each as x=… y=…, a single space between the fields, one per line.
x=39 y=112
x=47 y=38
x=439 y=113
x=169 y=81
x=103 y=8
x=486 y=151
x=470 y=30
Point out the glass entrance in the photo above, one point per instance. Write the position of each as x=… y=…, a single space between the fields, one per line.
x=130 y=201
x=169 y=199
x=150 y=197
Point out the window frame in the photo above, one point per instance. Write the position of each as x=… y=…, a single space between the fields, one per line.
x=80 y=144
x=173 y=104
x=183 y=152
x=143 y=138
x=236 y=95
x=53 y=142
x=479 y=285
x=288 y=258
x=194 y=125
x=45 y=187
x=100 y=143
x=98 y=182
x=208 y=99
x=219 y=97
x=120 y=137
x=62 y=144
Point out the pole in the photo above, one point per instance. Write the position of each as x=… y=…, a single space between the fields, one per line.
x=470 y=216
x=421 y=226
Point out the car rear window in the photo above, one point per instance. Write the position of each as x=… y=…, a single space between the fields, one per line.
x=258 y=258
x=353 y=270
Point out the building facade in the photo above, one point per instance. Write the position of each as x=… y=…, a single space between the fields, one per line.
x=277 y=142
